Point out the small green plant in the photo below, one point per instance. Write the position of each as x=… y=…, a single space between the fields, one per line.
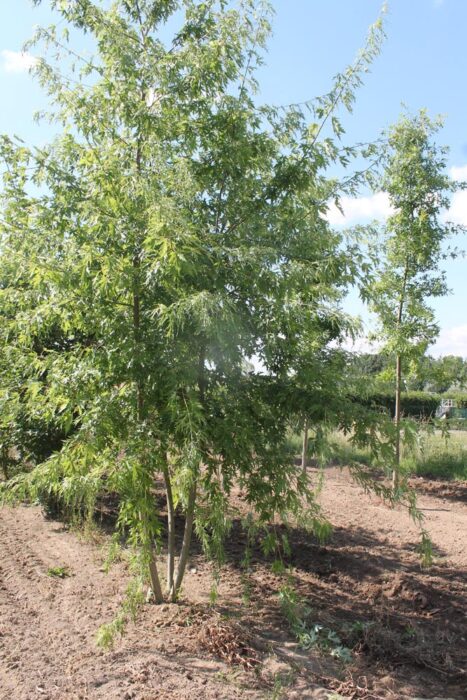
x=409 y=632
x=358 y=627
x=325 y=639
x=213 y=594
x=281 y=682
x=58 y=571
x=293 y=607
x=247 y=588
x=309 y=636
x=356 y=632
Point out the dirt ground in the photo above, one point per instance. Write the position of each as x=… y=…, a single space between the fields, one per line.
x=407 y=627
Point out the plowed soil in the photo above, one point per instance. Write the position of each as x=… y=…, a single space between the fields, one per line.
x=407 y=627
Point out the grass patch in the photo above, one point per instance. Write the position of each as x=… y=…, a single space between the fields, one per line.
x=344 y=451
x=436 y=456
x=439 y=457
x=338 y=449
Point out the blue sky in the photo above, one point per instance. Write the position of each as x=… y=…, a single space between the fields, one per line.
x=423 y=64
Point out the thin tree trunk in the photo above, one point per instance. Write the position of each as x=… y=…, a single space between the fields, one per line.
x=137 y=308
x=397 y=422
x=305 y=445
x=185 y=550
x=190 y=511
x=140 y=401
x=397 y=409
x=170 y=527
x=155 y=581
x=5 y=471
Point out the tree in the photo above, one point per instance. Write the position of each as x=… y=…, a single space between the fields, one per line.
x=440 y=374
x=175 y=229
x=413 y=240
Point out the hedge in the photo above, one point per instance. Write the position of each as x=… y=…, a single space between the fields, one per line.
x=414 y=404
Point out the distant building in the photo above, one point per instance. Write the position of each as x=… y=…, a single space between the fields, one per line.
x=450 y=408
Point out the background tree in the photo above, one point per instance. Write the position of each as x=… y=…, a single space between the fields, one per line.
x=440 y=374
x=413 y=240
x=175 y=229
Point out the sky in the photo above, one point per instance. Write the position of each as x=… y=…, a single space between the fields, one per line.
x=423 y=64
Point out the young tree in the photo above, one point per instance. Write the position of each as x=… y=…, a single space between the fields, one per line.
x=413 y=242
x=175 y=229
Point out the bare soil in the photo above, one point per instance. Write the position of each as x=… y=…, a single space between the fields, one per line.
x=407 y=626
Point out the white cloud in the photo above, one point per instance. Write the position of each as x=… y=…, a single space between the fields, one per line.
x=361 y=345
x=458 y=172
x=357 y=209
x=451 y=341
x=17 y=61
x=377 y=206
x=457 y=212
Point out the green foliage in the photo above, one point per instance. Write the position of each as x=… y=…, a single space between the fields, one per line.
x=426 y=550
x=440 y=375
x=281 y=682
x=58 y=571
x=413 y=239
x=435 y=375
x=28 y=433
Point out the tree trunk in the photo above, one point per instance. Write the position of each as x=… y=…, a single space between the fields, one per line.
x=397 y=409
x=6 y=474
x=190 y=511
x=155 y=582
x=170 y=527
x=5 y=459
x=397 y=422
x=185 y=550
x=305 y=445
x=137 y=310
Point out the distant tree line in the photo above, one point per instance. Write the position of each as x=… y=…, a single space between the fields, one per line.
x=438 y=375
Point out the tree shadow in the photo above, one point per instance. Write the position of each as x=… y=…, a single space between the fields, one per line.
x=357 y=581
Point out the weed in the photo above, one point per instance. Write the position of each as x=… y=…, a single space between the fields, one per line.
x=282 y=681
x=222 y=676
x=409 y=632
x=58 y=571
x=311 y=635
x=247 y=588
